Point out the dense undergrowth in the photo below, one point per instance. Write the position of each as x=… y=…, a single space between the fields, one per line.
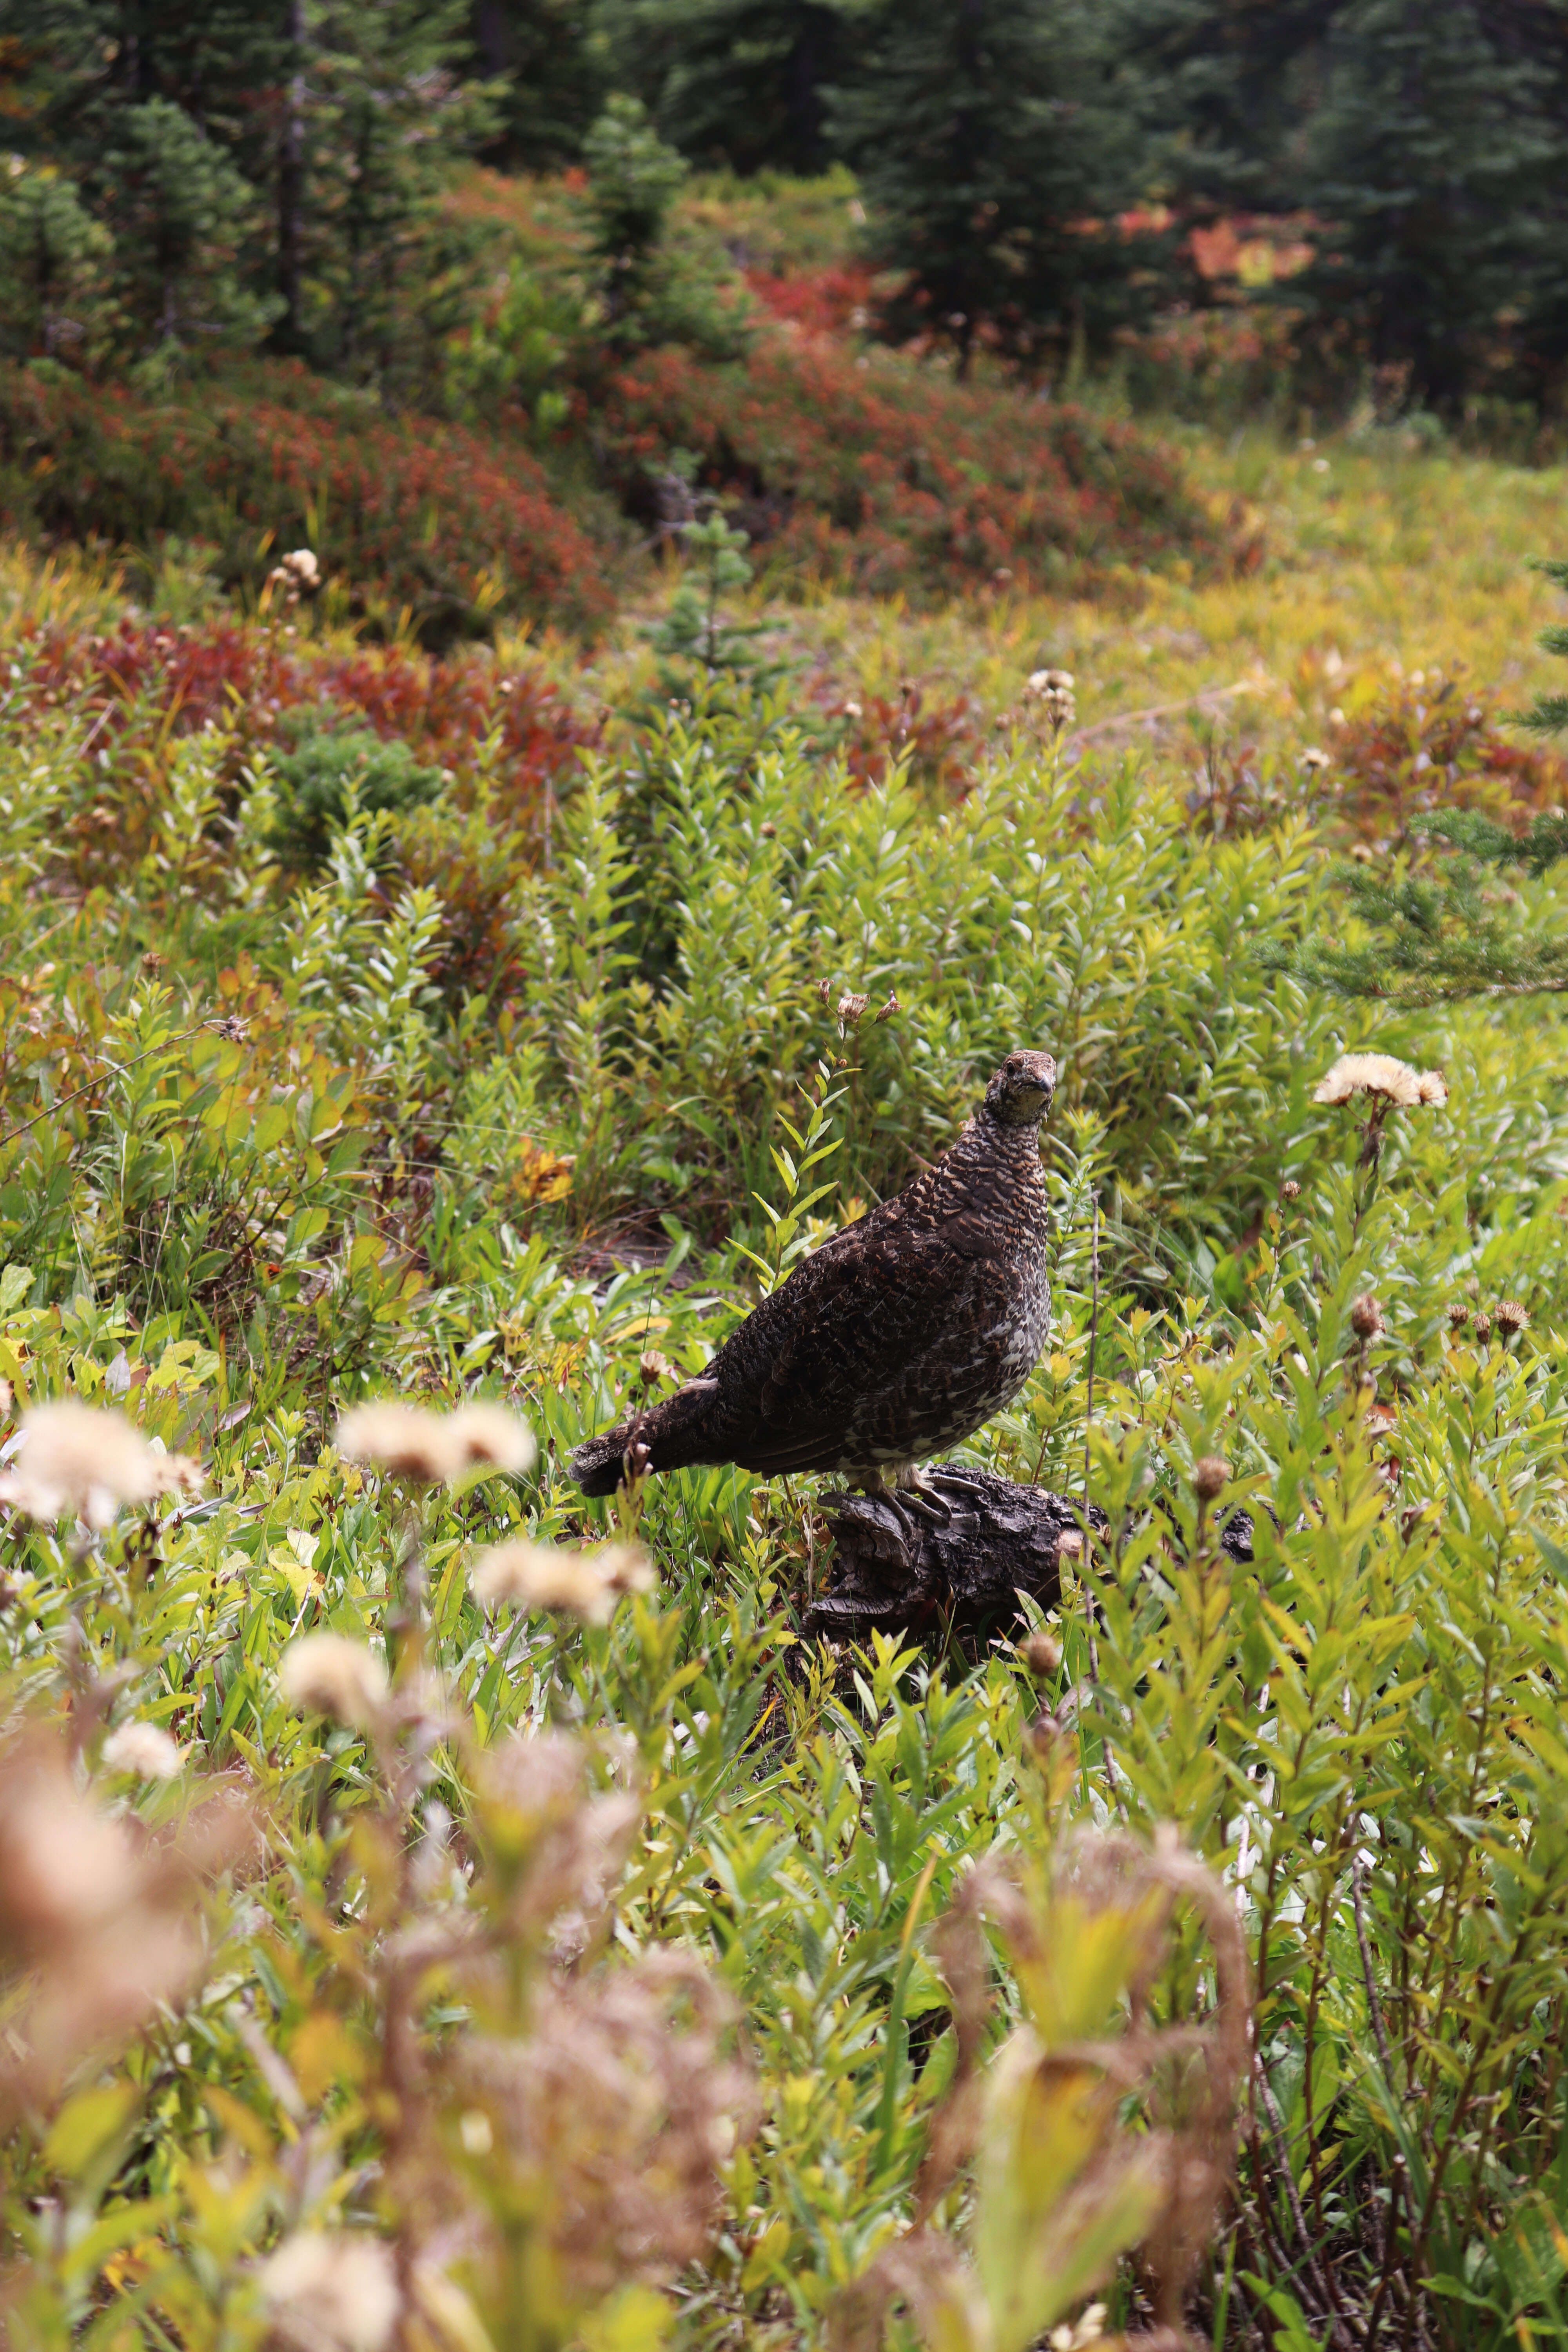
x=467 y=1076
x=549 y=443
x=898 y=483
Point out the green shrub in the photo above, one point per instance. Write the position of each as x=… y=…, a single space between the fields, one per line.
x=256 y=1166
x=334 y=768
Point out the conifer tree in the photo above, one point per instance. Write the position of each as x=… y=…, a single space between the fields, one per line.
x=739 y=82
x=1439 y=160
x=183 y=219
x=995 y=141
x=329 y=127
x=387 y=112
x=544 y=60
x=651 y=285
x=53 y=279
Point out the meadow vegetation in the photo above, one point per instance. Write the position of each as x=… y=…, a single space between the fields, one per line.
x=506 y=1928
x=514 y=833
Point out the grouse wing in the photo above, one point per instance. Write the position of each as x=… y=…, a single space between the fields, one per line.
x=851 y=1324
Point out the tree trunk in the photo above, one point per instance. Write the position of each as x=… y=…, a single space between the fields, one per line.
x=289 y=333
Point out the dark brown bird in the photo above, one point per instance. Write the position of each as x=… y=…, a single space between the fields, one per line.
x=896 y=1339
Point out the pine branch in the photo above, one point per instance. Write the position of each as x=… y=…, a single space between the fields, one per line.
x=1441 y=937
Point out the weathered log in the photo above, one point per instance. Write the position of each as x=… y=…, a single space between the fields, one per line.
x=897 y=1571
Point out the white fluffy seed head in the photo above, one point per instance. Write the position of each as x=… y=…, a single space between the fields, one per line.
x=434 y=1448
x=584 y=1584
x=326 y=1673
x=144 y=1748
x=331 y=2291
x=75 y=1462
x=1383 y=1075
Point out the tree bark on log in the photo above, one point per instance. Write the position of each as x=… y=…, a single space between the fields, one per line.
x=897 y=1571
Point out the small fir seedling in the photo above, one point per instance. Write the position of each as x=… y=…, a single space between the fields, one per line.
x=706 y=659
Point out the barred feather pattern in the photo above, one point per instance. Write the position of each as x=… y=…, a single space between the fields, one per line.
x=898 y=1339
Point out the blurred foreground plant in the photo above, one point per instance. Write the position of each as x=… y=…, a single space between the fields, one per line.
x=1063 y=2184
x=466 y=2125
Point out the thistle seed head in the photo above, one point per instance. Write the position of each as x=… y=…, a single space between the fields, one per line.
x=432 y=1449
x=582 y=1585
x=331 y=2291
x=75 y=1463
x=1041 y=1654
x=1384 y=1078
x=326 y=1674
x=1211 y=1477
x=143 y=1749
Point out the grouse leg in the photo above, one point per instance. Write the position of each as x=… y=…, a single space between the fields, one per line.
x=906 y=1502
x=961 y=1482
x=916 y=1492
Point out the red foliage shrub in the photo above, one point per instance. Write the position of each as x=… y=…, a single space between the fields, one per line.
x=1433 y=742
x=144 y=684
x=415 y=515
x=820 y=301
x=900 y=480
x=162 y=679
x=938 y=742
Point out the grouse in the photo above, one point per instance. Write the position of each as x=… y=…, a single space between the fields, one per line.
x=894 y=1339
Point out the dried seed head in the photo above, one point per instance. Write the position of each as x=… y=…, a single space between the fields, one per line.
x=1069 y=1547
x=655 y=1367
x=144 y=1748
x=400 y=1439
x=825 y=989
x=1315 y=760
x=303 y=568
x=1041 y=1654
x=1077 y=2336
x=326 y=1673
x=76 y=1463
x=615 y=2113
x=1290 y=1189
x=1211 y=1477
x=434 y=1448
x=65 y=1866
x=584 y=1584
x=890 y=1007
x=100 y=1918
x=1042 y=1738
x=489 y=1434
x=851 y=1011
x=1483 y=1329
x=1458 y=1312
x=1383 y=1077
x=1366 y=1316
x=1510 y=1317
x=334 y=2292
x=1051 y=691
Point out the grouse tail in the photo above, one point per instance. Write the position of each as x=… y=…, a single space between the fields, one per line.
x=671 y=1432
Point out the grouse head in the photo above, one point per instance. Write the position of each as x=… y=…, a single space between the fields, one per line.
x=1020 y=1093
